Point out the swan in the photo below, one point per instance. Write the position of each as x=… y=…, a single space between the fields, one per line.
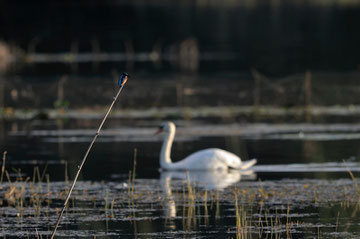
x=206 y=159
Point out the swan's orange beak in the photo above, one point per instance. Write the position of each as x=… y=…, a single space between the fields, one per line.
x=160 y=129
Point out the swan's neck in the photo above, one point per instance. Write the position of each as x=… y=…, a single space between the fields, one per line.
x=165 y=161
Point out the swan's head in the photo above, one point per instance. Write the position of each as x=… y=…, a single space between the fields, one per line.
x=166 y=127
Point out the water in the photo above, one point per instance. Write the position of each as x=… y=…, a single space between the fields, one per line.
x=160 y=210
x=301 y=186
x=305 y=183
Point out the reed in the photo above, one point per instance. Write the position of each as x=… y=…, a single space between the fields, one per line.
x=184 y=205
x=242 y=224
x=337 y=224
x=43 y=173
x=48 y=192
x=352 y=178
x=288 y=226
x=129 y=183
x=206 y=211
x=238 y=219
x=112 y=208
x=191 y=204
x=84 y=159
x=217 y=206
x=106 y=203
x=319 y=233
x=37 y=234
x=256 y=216
x=3 y=168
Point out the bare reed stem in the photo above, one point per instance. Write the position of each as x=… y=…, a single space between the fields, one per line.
x=3 y=167
x=352 y=176
x=83 y=162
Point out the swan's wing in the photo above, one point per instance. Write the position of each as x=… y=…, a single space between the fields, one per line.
x=206 y=159
x=234 y=161
x=212 y=158
x=230 y=159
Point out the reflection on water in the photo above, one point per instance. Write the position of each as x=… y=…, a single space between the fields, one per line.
x=206 y=180
x=211 y=179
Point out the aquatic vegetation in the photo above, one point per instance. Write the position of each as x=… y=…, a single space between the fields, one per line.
x=249 y=209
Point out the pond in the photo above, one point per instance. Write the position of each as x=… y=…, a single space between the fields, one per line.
x=303 y=186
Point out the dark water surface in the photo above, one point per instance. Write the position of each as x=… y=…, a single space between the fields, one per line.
x=52 y=143
x=243 y=89
x=300 y=188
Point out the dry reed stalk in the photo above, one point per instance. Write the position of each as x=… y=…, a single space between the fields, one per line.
x=112 y=207
x=206 y=211
x=129 y=184
x=9 y=180
x=352 y=177
x=288 y=232
x=217 y=208
x=238 y=220
x=3 y=167
x=106 y=202
x=44 y=172
x=337 y=224
x=84 y=160
x=318 y=234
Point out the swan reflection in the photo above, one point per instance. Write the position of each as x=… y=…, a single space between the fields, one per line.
x=207 y=180
x=210 y=180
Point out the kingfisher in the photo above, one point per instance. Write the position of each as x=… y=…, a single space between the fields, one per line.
x=123 y=78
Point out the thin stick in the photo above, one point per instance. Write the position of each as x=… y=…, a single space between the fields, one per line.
x=83 y=162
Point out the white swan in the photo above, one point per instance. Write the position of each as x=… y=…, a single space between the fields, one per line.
x=207 y=159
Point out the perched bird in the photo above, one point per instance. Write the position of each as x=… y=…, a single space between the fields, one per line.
x=123 y=78
x=207 y=159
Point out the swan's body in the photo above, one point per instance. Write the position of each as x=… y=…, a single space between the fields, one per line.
x=207 y=159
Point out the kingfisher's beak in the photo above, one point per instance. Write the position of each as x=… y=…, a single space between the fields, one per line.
x=159 y=131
